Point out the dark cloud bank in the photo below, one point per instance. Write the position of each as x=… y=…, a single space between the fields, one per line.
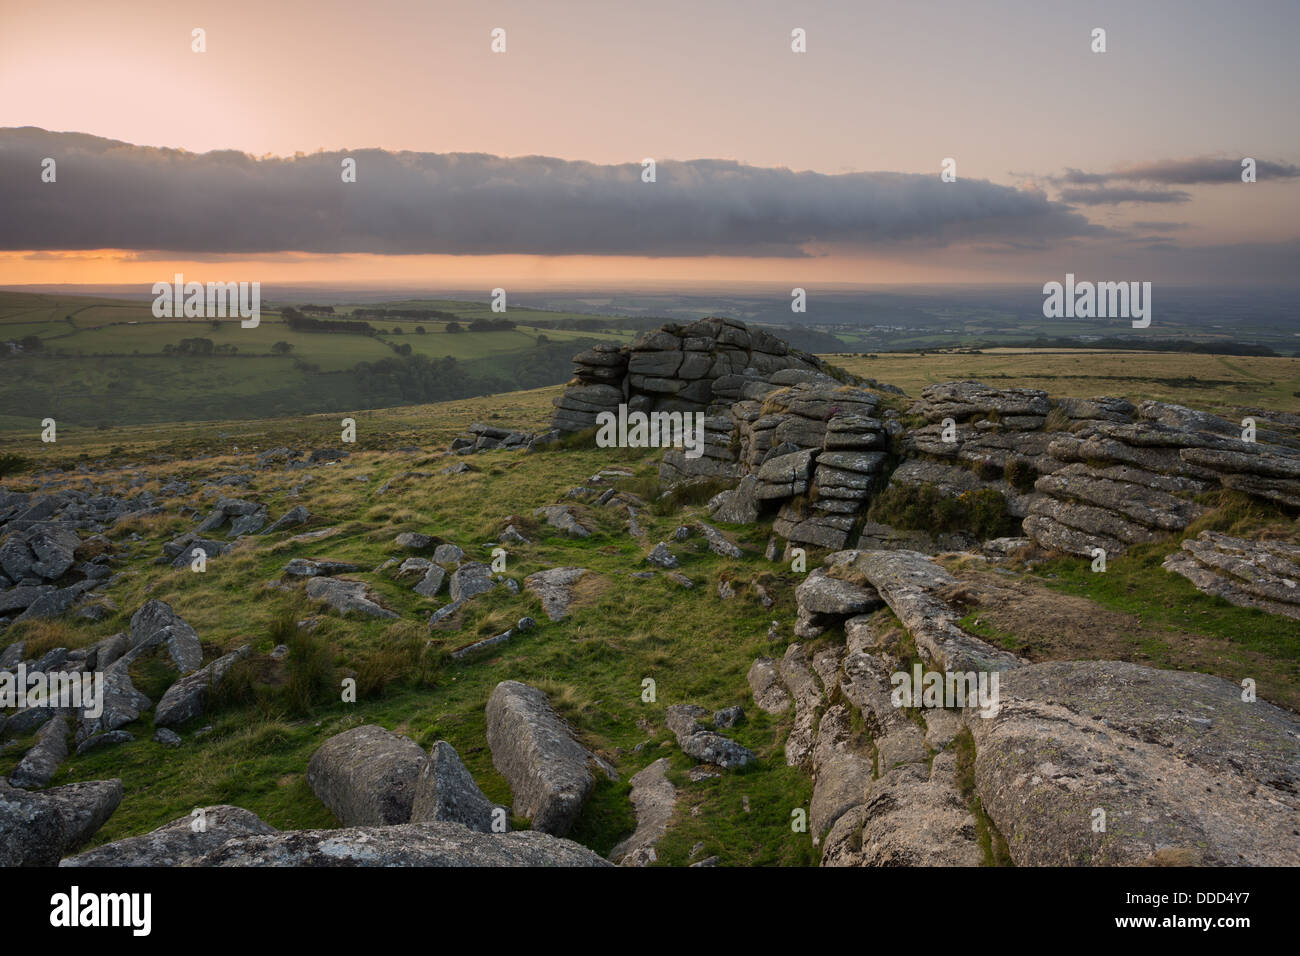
x=114 y=195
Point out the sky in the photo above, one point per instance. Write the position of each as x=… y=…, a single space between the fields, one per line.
x=771 y=166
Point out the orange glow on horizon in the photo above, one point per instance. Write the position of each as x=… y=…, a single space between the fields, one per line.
x=122 y=267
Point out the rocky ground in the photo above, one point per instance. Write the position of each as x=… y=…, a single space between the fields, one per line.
x=520 y=649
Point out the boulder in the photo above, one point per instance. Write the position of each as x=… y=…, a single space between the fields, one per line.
x=155 y=623
x=739 y=505
x=964 y=400
x=33 y=829
x=431 y=583
x=908 y=819
x=448 y=554
x=702 y=742
x=470 y=579
x=555 y=587
x=728 y=716
x=298 y=515
x=367 y=776
x=39 y=551
x=1093 y=524
x=110 y=739
x=317 y=568
x=43 y=759
x=821 y=593
x=524 y=625
x=247 y=524
x=718 y=542
x=1149 y=507
x=188 y=696
x=445 y=792
x=20 y=598
x=181 y=550
x=548 y=770
x=85 y=807
x=122 y=703
x=563 y=519
x=817 y=529
x=407 y=845
x=178 y=843
x=50 y=604
x=13 y=655
x=786 y=475
x=661 y=556
x=345 y=595
x=843 y=770
x=765 y=681
x=1056 y=536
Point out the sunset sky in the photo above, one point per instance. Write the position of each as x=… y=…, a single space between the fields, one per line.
x=821 y=167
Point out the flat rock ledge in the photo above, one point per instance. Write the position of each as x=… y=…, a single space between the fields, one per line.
x=910 y=583
x=653 y=798
x=1184 y=769
x=410 y=844
x=555 y=587
x=1259 y=574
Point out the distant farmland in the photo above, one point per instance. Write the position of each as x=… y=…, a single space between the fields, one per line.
x=1218 y=382
x=103 y=362
x=95 y=361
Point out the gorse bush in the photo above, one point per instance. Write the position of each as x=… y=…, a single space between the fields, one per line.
x=925 y=507
x=914 y=508
x=13 y=465
x=1021 y=473
x=985 y=513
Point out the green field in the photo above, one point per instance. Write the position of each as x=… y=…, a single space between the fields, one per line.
x=104 y=362
x=1211 y=382
x=81 y=325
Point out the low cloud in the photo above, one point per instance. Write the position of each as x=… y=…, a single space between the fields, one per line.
x=110 y=194
x=1200 y=170
x=1110 y=196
